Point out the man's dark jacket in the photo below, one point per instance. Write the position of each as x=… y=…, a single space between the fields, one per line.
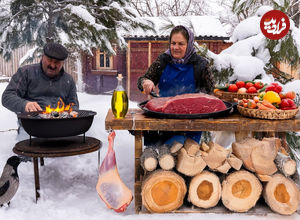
x=30 y=83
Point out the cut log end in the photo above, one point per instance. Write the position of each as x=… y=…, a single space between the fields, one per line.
x=165 y=158
x=240 y=191
x=149 y=159
x=150 y=164
x=290 y=167
x=216 y=155
x=204 y=147
x=205 y=190
x=176 y=147
x=189 y=165
x=282 y=195
x=163 y=191
x=235 y=162
x=191 y=146
x=167 y=162
x=285 y=164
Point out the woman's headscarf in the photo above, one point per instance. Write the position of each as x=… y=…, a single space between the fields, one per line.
x=190 y=50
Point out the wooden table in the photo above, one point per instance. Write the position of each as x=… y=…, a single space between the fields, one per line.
x=137 y=121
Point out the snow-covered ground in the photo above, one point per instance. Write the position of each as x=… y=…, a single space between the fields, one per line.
x=68 y=183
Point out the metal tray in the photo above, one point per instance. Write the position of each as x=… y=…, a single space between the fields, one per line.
x=229 y=105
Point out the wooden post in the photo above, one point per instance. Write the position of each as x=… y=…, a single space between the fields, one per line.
x=149 y=53
x=128 y=68
x=137 y=171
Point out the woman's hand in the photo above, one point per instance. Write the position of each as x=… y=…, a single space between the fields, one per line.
x=148 y=86
x=32 y=107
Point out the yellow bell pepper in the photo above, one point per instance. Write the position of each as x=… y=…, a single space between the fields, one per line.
x=272 y=97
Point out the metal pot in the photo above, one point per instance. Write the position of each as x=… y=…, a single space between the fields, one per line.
x=57 y=127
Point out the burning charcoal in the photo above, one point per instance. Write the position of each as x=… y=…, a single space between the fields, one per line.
x=54 y=114
x=44 y=116
x=64 y=115
x=74 y=114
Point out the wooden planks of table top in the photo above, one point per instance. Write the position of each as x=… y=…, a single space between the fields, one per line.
x=136 y=120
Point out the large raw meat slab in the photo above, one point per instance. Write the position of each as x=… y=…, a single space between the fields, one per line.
x=194 y=103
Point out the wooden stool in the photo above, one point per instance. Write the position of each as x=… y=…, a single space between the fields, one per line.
x=57 y=147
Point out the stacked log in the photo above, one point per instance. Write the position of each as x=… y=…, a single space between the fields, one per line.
x=205 y=190
x=149 y=159
x=240 y=191
x=165 y=159
x=285 y=164
x=163 y=191
x=189 y=159
x=200 y=167
x=257 y=156
x=282 y=195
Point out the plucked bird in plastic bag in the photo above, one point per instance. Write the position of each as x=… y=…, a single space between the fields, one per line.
x=111 y=189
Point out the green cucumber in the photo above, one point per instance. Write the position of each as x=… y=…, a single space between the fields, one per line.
x=249 y=81
x=224 y=88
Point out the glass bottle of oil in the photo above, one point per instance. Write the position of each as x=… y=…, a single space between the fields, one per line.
x=119 y=100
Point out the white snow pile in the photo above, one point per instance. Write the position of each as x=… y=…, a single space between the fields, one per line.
x=248 y=55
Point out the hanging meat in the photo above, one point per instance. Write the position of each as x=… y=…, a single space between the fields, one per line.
x=111 y=189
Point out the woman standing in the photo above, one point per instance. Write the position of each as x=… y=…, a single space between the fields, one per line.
x=177 y=71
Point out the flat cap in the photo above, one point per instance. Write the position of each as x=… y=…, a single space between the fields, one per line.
x=55 y=51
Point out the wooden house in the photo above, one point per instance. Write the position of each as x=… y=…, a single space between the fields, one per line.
x=100 y=70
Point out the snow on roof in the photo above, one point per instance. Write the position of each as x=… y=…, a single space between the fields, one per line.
x=202 y=26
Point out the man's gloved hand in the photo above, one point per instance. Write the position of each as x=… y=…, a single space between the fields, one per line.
x=179 y=138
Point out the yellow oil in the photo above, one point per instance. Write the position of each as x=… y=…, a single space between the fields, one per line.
x=119 y=104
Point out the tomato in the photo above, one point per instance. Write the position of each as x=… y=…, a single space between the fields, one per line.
x=248 y=85
x=290 y=95
x=240 y=84
x=258 y=85
x=284 y=103
x=252 y=89
x=274 y=87
x=287 y=104
x=232 y=88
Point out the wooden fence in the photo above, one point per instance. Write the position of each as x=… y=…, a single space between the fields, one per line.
x=8 y=68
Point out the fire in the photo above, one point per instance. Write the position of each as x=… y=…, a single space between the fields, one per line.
x=61 y=107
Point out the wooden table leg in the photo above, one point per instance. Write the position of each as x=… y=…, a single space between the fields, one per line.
x=42 y=161
x=137 y=171
x=36 y=178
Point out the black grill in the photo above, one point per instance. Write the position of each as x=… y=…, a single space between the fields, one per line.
x=36 y=115
x=36 y=126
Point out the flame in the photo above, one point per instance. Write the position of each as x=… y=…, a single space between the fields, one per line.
x=61 y=107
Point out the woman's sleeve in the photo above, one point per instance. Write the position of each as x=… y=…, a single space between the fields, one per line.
x=153 y=73
x=209 y=80
x=206 y=81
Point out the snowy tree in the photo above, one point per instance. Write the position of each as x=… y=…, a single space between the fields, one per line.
x=79 y=25
x=158 y=8
x=253 y=56
x=166 y=8
x=246 y=8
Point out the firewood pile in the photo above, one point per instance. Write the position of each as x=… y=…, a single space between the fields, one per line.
x=206 y=174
